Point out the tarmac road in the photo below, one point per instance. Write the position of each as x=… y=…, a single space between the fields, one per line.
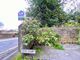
x=8 y=47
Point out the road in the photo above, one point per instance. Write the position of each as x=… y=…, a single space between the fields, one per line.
x=8 y=47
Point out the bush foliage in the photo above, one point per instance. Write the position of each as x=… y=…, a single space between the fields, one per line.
x=30 y=26
x=47 y=36
x=74 y=24
x=79 y=36
x=41 y=35
x=28 y=38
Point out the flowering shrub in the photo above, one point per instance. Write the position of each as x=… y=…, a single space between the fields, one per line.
x=47 y=36
x=40 y=36
x=28 y=38
x=30 y=26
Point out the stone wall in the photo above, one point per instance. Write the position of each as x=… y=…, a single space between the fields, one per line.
x=2 y=36
x=68 y=34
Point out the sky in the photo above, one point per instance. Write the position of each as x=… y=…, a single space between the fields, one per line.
x=71 y=5
x=9 y=13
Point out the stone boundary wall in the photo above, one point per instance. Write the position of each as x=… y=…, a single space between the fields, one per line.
x=3 y=36
x=68 y=34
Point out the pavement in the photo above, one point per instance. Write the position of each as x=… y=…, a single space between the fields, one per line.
x=8 y=47
x=70 y=52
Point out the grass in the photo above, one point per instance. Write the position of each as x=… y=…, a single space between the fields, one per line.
x=38 y=49
x=19 y=57
x=58 y=46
